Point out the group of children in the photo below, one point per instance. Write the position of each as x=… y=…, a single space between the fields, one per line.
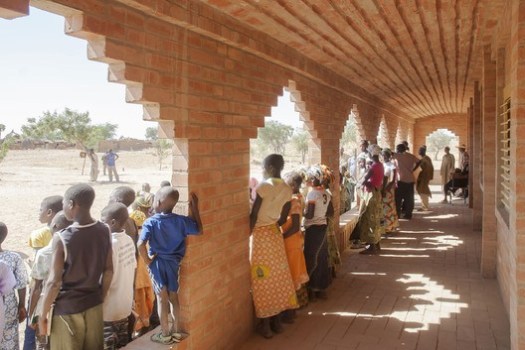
x=288 y=268
x=89 y=289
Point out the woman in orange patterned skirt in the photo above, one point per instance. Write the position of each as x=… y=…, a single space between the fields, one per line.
x=294 y=238
x=272 y=286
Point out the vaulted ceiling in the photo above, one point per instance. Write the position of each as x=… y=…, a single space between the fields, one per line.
x=418 y=55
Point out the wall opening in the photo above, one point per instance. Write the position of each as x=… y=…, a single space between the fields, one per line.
x=382 y=135
x=349 y=144
x=436 y=143
x=44 y=70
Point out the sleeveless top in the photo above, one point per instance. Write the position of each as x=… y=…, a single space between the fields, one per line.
x=86 y=248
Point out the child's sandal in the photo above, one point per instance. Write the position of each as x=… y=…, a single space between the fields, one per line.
x=159 y=338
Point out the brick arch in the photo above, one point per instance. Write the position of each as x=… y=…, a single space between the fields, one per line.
x=383 y=139
x=456 y=123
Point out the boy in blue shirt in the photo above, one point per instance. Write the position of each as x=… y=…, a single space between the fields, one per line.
x=166 y=233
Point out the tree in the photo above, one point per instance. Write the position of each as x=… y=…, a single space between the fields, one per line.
x=275 y=135
x=4 y=143
x=152 y=133
x=439 y=140
x=70 y=126
x=2 y=129
x=300 y=143
x=349 y=140
x=162 y=150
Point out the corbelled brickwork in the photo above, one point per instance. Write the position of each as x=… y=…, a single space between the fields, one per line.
x=210 y=71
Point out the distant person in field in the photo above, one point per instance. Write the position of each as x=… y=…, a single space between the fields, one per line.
x=93 y=172
x=105 y=163
x=39 y=274
x=119 y=300
x=165 y=233
x=111 y=159
x=15 y=310
x=41 y=237
x=80 y=275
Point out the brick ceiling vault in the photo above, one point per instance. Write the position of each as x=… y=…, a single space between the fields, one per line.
x=420 y=56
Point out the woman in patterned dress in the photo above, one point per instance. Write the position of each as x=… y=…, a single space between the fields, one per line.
x=15 y=311
x=389 y=193
x=272 y=287
x=7 y=284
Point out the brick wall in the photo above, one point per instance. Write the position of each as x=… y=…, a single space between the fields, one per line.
x=210 y=82
x=456 y=123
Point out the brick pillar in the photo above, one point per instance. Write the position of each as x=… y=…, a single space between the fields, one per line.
x=469 y=145
x=517 y=170
x=489 y=115
x=10 y=9
x=475 y=160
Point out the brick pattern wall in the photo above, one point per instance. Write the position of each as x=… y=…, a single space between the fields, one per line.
x=456 y=123
x=489 y=129
x=210 y=82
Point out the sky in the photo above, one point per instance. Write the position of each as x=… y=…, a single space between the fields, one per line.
x=43 y=69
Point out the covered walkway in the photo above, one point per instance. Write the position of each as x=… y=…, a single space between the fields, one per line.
x=424 y=291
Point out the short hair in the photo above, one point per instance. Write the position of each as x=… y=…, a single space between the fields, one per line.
x=167 y=197
x=275 y=160
x=122 y=194
x=3 y=232
x=165 y=183
x=81 y=194
x=146 y=185
x=116 y=211
x=401 y=148
x=60 y=221
x=52 y=202
x=294 y=177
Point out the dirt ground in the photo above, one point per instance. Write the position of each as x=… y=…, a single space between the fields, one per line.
x=26 y=177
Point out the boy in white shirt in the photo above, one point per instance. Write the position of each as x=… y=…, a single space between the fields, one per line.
x=119 y=300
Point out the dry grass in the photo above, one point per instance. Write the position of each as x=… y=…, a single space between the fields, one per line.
x=26 y=177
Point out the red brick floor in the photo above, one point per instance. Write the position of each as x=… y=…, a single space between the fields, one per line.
x=424 y=291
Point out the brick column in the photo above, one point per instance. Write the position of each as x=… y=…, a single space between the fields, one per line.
x=475 y=162
x=470 y=138
x=517 y=170
x=489 y=115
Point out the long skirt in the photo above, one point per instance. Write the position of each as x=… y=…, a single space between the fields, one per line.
x=316 y=255
x=333 y=247
x=369 y=226
x=272 y=286
x=389 y=210
x=144 y=296
x=294 y=245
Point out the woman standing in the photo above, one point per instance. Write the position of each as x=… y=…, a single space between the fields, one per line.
x=389 y=193
x=318 y=207
x=272 y=287
x=369 y=227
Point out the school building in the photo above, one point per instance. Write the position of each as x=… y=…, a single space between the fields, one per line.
x=209 y=72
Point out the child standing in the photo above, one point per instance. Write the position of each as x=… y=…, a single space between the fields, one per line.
x=272 y=287
x=119 y=300
x=15 y=311
x=7 y=284
x=166 y=232
x=318 y=208
x=293 y=237
x=144 y=295
x=80 y=275
x=48 y=208
x=39 y=274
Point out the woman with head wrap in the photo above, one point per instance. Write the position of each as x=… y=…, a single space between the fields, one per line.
x=369 y=227
x=389 y=192
x=318 y=208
